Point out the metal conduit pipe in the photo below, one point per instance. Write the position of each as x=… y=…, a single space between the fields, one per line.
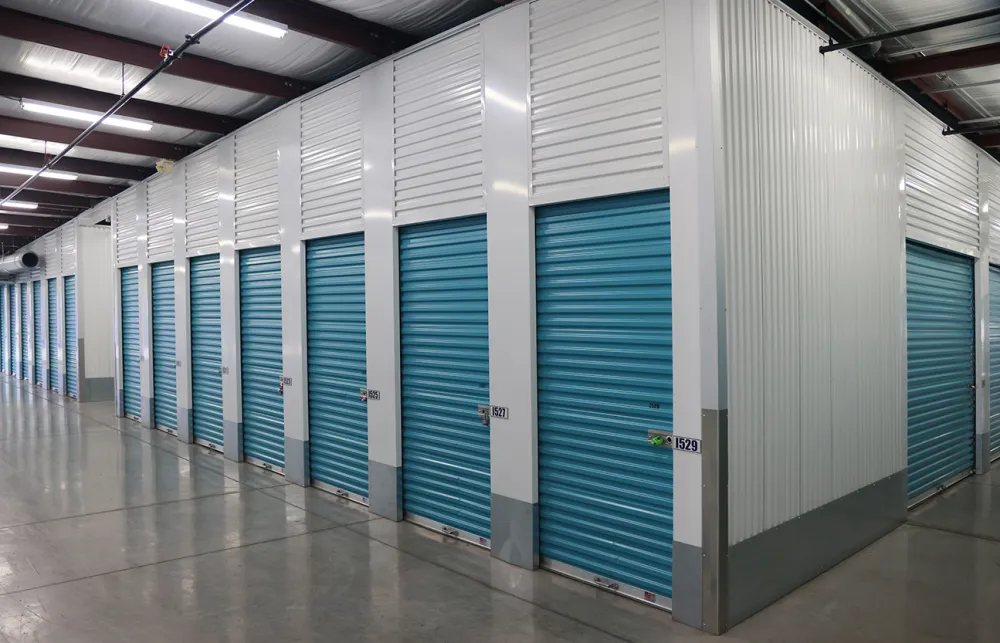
x=857 y=23
x=18 y=262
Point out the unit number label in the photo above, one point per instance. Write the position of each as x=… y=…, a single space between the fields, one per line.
x=667 y=440
x=287 y=381
x=373 y=394
x=692 y=445
x=500 y=412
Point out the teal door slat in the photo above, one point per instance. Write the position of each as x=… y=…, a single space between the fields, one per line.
x=941 y=354
x=206 y=350
x=444 y=341
x=164 y=346
x=605 y=378
x=338 y=418
x=994 y=362
x=39 y=341
x=4 y=332
x=53 y=304
x=260 y=337
x=130 y=342
x=15 y=367
x=25 y=345
x=72 y=383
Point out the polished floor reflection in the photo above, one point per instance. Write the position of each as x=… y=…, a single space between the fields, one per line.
x=111 y=532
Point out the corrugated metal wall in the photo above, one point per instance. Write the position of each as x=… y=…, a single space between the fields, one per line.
x=256 y=170
x=126 y=210
x=160 y=218
x=813 y=271
x=201 y=203
x=942 y=183
x=597 y=97
x=331 y=160
x=991 y=182
x=438 y=128
x=67 y=241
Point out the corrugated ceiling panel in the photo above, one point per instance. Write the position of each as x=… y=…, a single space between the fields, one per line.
x=597 y=104
x=942 y=183
x=438 y=128
x=160 y=218
x=201 y=203
x=126 y=233
x=256 y=170
x=331 y=160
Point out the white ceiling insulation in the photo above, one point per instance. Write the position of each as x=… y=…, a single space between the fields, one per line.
x=422 y=18
x=43 y=147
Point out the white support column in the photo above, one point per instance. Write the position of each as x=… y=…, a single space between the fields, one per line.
x=981 y=287
x=699 y=335
x=229 y=278
x=145 y=313
x=116 y=313
x=293 y=296
x=385 y=452
x=510 y=233
x=182 y=308
x=61 y=334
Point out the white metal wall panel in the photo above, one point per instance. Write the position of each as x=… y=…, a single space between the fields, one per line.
x=256 y=170
x=942 y=183
x=991 y=172
x=438 y=128
x=331 y=160
x=815 y=307
x=597 y=104
x=52 y=255
x=160 y=218
x=126 y=208
x=201 y=203
x=67 y=242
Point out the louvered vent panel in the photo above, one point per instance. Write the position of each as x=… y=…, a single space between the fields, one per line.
x=256 y=183
x=52 y=259
x=160 y=218
x=201 y=201
x=126 y=232
x=331 y=160
x=438 y=128
x=597 y=103
x=67 y=242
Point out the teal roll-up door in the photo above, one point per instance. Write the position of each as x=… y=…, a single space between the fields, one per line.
x=12 y=329
x=941 y=357
x=164 y=346
x=605 y=379
x=444 y=338
x=206 y=351
x=72 y=383
x=260 y=338
x=4 y=332
x=994 y=362
x=25 y=344
x=338 y=418
x=53 y=304
x=131 y=343
x=39 y=341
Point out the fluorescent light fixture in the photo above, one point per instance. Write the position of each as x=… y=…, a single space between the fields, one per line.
x=89 y=117
x=27 y=171
x=20 y=205
x=207 y=10
x=3 y=226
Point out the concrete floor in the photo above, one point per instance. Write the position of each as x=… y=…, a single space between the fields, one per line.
x=111 y=532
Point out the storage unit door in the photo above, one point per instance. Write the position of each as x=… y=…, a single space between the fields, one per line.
x=36 y=318
x=130 y=342
x=12 y=329
x=25 y=344
x=53 y=304
x=605 y=380
x=4 y=332
x=941 y=376
x=338 y=417
x=164 y=351
x=994 y=362
x=445 y=367
x=206 y=351
x=72 y=384
x=260 y=336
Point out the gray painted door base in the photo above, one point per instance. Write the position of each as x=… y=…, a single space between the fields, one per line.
x=232 y=440
x=385 y=490
x=297 y=462
x=514 y=531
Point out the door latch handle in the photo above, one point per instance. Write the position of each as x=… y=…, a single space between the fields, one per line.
x=484 y=413
x=972 y=386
